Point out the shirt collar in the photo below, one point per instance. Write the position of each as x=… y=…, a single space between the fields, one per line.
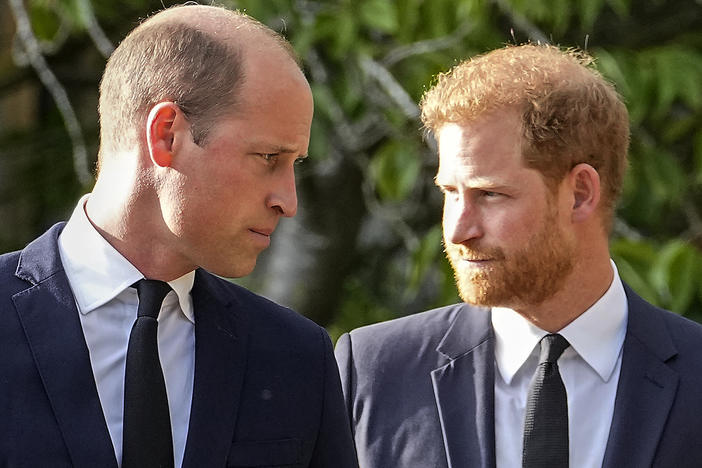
x=597 y=335
x=97 y=272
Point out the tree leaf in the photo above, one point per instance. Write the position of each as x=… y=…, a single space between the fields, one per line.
x=632 y=259
x=408 y=17
x=621 y=7
x=395 y=168
x=698 y=156
x=675 y=274
x=380 y=15
x=45 y=22
x=337 y=29
x=611 y=67
x=589 y=10
x=561 y=12
x=425 y=255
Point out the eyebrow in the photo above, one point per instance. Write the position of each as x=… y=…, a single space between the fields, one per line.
x=283 y=149
x=481 y=183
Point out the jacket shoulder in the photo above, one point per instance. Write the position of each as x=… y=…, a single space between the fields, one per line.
x=408 y=336
x=668 y=330
x=421 y=323
x=9 y=282
x=685 y=333
x=8 y=262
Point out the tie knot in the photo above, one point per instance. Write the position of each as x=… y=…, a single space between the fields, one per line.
x=552 y=346
x=151 y=294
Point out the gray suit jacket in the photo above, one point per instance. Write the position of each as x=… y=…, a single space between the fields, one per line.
x=420 y=390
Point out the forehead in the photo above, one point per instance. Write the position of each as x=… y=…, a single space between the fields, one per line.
x=484 y=147
x=278 y=122
x=274 y=82
x=274 y=101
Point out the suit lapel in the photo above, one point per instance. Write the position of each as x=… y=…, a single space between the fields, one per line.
x=646 y=390
x=51 y=324
x=464 y=390
x=221 y=337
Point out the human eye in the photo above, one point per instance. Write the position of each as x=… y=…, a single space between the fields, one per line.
x=268 y=157
x=491 y=194
x=300 y=160
x=448 y=190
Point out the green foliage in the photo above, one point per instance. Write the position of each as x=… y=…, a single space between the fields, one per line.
x=359 y=309
x=668 y=274
x=369 y=62
x=379 y=15
x=395 y=168
x=425 y=256
x=633 y=260
x=588 y=12
x=697 y=169
x=45 y=21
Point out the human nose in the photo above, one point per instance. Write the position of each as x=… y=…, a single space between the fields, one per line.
x=461 y=220
x=283 y=198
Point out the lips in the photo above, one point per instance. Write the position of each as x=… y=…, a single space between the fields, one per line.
x=261 y=237
x=476 y=262
x=478 y=256
x=262 y=231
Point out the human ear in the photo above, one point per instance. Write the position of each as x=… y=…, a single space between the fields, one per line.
x=585 y=184
x=160 y=133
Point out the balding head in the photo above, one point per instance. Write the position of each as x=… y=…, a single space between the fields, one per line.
x=195 y=56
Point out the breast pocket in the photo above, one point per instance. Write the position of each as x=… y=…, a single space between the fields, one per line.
x=266 y=454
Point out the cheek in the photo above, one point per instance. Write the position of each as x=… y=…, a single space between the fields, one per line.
x=173 y=203
x=448 y=222
x=509 y=228
x=190 y=209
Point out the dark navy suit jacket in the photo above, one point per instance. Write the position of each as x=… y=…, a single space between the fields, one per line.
x=420 y=390
x=266 y=389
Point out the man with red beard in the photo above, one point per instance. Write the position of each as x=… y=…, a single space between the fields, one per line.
x=551 y=361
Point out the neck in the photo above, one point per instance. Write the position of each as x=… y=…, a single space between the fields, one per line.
x=127 y=215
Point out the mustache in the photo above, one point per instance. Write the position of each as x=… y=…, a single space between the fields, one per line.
x=472 y=251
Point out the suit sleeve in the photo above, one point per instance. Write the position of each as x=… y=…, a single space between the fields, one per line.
x=335 y=446
x=344 y=358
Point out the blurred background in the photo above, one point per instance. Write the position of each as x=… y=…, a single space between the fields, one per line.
x=366 y=244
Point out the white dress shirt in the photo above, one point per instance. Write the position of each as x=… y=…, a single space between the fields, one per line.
x=100 y=278
x=589 y=368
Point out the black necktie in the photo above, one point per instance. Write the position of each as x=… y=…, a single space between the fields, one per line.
x=147 y=439
x=546 y=423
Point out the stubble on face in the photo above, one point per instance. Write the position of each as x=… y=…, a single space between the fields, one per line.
x=525 y=277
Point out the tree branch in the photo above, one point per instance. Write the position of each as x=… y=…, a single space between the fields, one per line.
x=391 y=86
x=522 y=22
x=427 y=46
x=30 y=44
x=103 y=44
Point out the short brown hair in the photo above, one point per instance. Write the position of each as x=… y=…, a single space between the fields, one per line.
x=173 y=60
x=570 y=113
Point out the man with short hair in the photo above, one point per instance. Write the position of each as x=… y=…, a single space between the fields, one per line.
x=551 y=361
x=120 y=346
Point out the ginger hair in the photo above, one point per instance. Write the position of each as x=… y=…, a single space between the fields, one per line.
x=570 y=114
